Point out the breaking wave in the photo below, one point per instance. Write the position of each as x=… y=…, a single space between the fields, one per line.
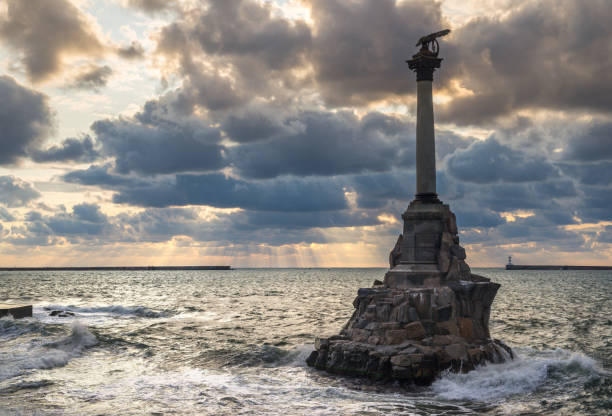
x=119 y=310
x=35 y=356
x=524 y=375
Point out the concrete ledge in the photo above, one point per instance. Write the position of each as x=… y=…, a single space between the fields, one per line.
x=17 y=311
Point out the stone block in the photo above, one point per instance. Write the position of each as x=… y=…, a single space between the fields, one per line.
x=360 y=335
x=444 y=256
x=401 y=373
x=370 y=313
x=373 y=326
x=415 y=330
x=413 y=314
x=479 y=331
x=401 y=360
x=443 y=313
x=383 y=311
x=457 y=251
x=456 y=352
x=440 y=340
x=429 y=325
x=321 y=343
x=421 y=300
x=385 y=326
x=374 y=340
x=452 y=223
x=475 y=355
x=406 y=360
x=465 y=328
x=395 y=336
x=401 y=313
x=447 y=328
x=444 y=296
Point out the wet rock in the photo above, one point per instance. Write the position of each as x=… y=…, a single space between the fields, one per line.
x=396 y=336
x=61 y=314
x=415 y=330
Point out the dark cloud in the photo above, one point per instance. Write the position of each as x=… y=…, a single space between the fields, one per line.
x=246 y=49
x=70 y=150
x=595 y=204
x=132 y=51
x=217 y=190
x=594 y=145
x=85 y=222
x=376 y=190
x=544 y=54
x=329 y=144
x=253 y=125
x=478 y=218
x=598 y=173
x=96 y=175
x=15 y=193
x=92 y=78
x=153 y=6
x=44 y=31
x=149 y=144
x=488 y=161
x=25 y=120
x=305 y=220
x=5 y=215
x=360 y=47
x=605 y=236
x=245 y=28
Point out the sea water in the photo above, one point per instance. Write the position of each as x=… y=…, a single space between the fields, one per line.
x=234 y=343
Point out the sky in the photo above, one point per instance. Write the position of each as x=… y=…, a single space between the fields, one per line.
x=281 y=133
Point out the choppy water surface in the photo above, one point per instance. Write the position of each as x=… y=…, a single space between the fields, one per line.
x=234 y=342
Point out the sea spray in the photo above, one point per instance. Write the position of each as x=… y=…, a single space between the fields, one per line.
x=118 y=310
x=34 y=355
x=524 y=375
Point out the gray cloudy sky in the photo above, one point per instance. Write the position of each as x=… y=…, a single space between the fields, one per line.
x=281 y=132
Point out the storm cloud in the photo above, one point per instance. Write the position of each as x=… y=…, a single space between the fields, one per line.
x=70 y=150
x=489 y=161
x=15 y=192
x=542 y=54
x=44 y=32
x=25 y=119
x=149 y=145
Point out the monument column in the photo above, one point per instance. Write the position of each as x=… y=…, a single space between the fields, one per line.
x=424 y=63
x=430 y=314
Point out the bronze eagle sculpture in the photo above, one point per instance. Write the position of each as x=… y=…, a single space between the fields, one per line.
x=430 y=39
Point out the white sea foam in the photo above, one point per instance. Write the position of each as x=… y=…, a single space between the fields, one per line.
x=36 y=355
x=523 y=375
x=97 y=314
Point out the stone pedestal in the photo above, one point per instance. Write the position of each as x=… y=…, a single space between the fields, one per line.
x=429 y=314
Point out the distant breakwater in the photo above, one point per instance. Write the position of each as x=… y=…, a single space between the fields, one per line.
x=94 y=268
x=553 y=267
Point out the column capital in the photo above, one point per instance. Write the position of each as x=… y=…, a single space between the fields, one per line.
x=424 y=63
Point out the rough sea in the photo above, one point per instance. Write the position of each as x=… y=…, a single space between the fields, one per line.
x=234 y=343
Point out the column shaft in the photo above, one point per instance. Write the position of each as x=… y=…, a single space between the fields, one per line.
x=425 y=140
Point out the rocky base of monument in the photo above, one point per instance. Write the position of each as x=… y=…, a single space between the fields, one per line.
x=414 y=334
x=430 y=314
